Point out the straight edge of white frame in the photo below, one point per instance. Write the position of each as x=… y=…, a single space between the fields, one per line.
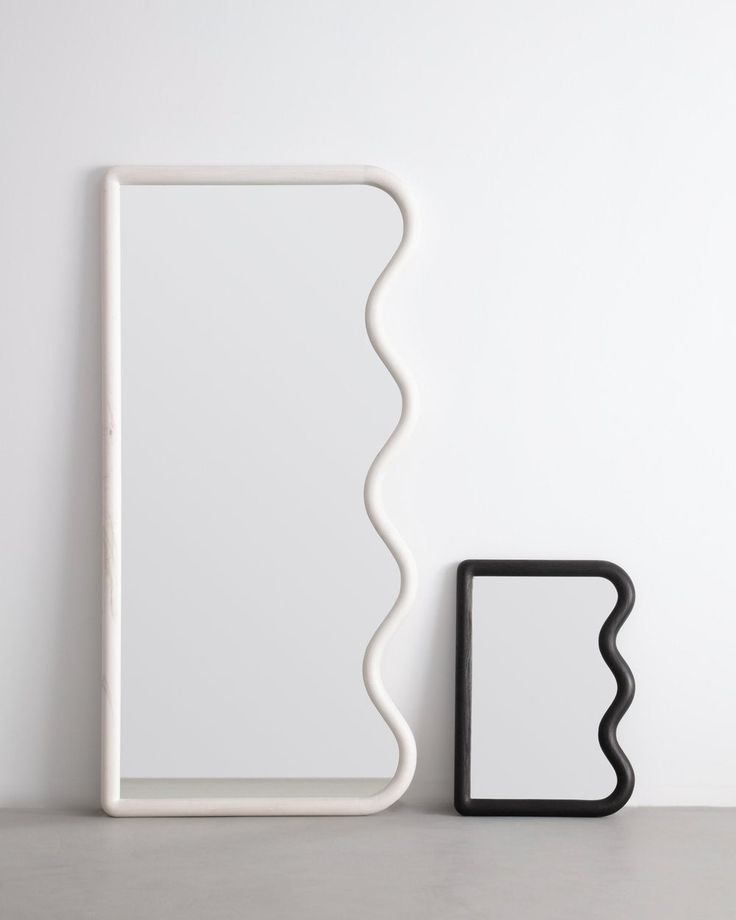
x=112 y=802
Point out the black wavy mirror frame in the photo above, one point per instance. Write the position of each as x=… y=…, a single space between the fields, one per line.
x=577 y=808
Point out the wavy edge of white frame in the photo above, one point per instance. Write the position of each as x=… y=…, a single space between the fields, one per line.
x=112 y=802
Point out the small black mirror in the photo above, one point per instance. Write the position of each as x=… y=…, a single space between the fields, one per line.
x=526 y=680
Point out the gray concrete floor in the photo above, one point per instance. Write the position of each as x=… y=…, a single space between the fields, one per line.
x=406 y=863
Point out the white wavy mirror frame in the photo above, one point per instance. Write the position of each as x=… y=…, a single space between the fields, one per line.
x=113 y=801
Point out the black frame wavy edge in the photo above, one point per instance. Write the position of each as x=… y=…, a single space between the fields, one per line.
x=572 y=808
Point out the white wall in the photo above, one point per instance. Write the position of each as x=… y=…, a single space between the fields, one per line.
x=571 y=324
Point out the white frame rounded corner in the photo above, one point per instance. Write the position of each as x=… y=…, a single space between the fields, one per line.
x=111 y=799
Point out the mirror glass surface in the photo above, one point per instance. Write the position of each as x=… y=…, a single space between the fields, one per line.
x=539 y=687
x=252 y=407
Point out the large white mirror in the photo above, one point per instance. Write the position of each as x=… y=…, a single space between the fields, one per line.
x=249 y=579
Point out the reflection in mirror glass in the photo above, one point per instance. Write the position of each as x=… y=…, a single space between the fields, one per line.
x=253 y=406
x=539 y=687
